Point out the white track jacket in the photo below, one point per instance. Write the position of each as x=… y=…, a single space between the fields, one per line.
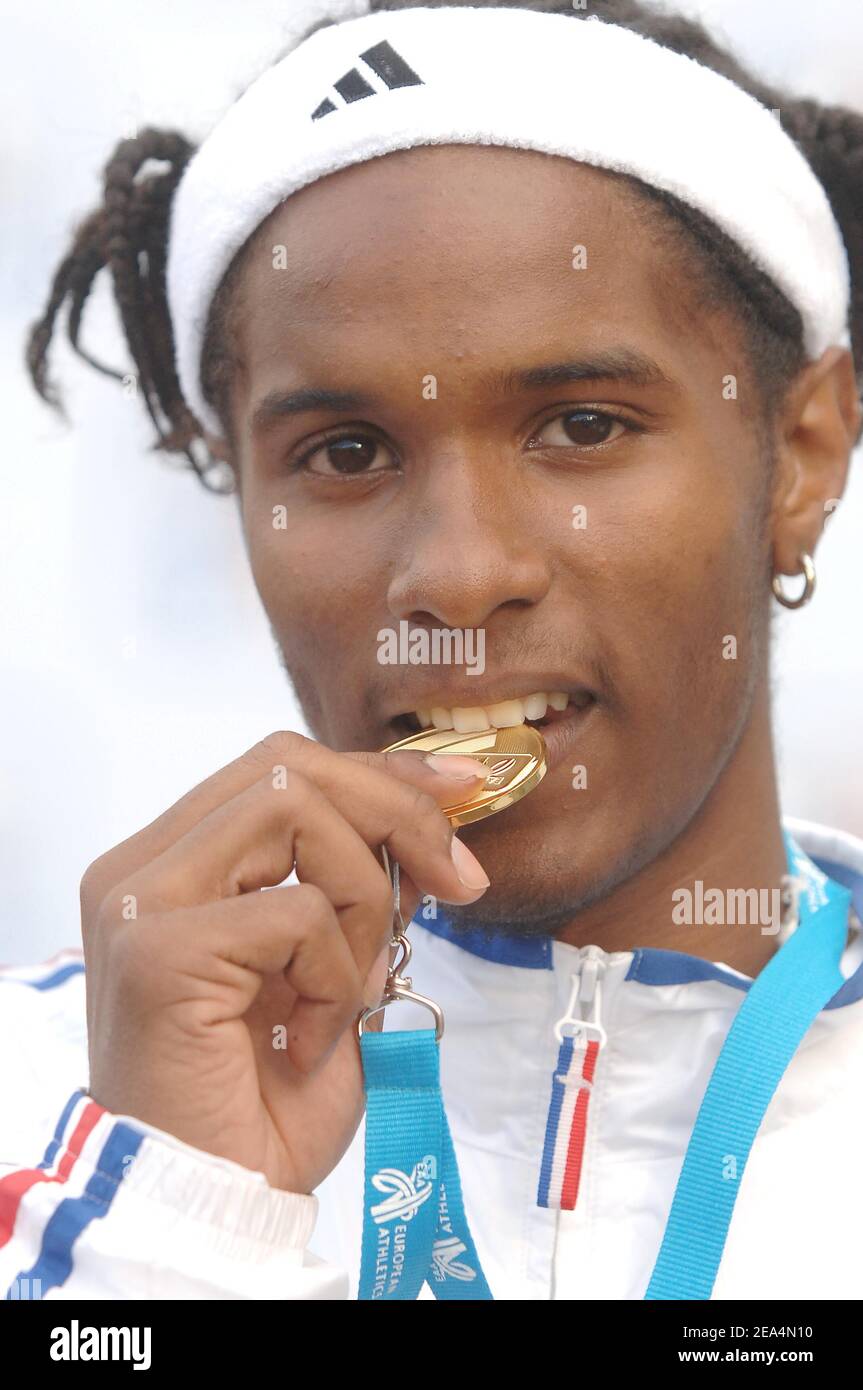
x=103 y=1206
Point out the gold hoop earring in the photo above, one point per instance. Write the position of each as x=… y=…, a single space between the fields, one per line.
x=808 y=588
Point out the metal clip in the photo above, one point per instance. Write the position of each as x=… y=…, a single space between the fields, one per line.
x=399 y=986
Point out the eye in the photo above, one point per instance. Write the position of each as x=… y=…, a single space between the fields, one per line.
x=345 y=455
x=583 y=428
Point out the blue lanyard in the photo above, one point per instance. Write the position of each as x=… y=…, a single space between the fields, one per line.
x=414 y=1224
x=780 y=1005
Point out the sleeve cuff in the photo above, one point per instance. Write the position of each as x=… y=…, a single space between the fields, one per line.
x=246 y=1216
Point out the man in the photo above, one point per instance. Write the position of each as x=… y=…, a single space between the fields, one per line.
x=479 y=390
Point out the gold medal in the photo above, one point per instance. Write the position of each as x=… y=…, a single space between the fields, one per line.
x=517 y=762
x=516 y=758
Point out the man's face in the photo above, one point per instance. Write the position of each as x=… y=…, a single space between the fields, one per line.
x=623 y=561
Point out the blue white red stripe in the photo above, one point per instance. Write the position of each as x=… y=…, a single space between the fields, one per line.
x=86 y=1140
x=566 y=1128
x=48 y=973
x=77 y=1120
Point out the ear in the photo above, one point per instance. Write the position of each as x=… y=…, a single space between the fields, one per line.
x=820 y=425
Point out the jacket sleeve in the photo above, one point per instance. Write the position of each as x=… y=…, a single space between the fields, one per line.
x=118 y=1209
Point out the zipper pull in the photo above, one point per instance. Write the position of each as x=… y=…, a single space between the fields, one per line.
x=584 y=1022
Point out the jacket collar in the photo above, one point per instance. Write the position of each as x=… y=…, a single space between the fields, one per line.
x=833 y=852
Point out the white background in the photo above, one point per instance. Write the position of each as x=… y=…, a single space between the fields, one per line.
x=135 y=656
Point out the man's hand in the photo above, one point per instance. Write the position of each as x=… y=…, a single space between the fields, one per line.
x=195 y=975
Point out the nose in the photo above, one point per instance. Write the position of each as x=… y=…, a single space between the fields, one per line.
x=466 y=549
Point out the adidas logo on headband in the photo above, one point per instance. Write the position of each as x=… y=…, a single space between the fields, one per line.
x=473 y=58
x=385 y=63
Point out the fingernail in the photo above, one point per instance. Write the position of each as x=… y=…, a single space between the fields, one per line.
x=467 y=866
x=455 y=765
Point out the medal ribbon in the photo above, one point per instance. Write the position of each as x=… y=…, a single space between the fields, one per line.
x=414 y=1224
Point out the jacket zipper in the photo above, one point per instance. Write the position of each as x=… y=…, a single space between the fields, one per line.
x=581 y=1035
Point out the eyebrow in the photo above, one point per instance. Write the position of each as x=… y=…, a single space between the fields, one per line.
x=614 y=364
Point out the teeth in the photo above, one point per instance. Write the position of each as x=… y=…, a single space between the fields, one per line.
x=507 y=713
x=535 y=706
x=476 y=718
x=469 y=721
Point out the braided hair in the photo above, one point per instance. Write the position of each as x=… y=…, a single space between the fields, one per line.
x=128 y=235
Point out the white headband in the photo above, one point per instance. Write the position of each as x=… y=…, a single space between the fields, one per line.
x=581 y=88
